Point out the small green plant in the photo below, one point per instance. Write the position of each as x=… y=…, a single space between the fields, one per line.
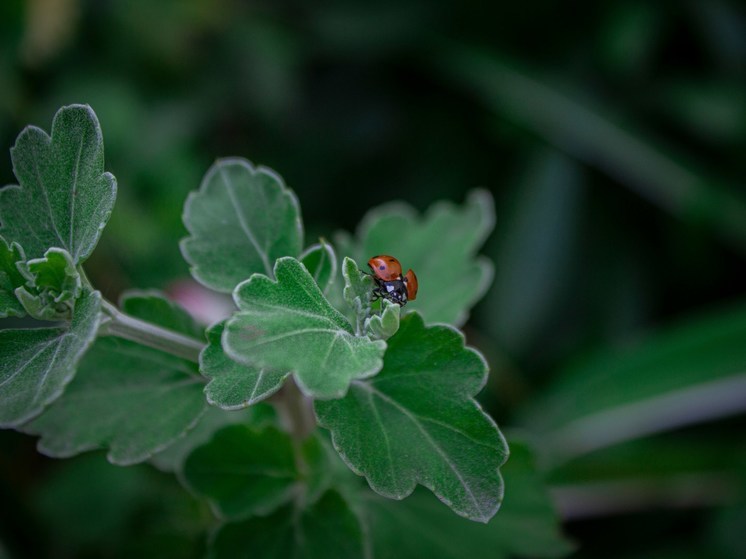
x=318 y=371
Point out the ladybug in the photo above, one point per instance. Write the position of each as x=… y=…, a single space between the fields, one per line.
x=390 y=284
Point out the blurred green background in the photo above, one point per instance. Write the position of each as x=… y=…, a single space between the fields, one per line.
x=612 y=136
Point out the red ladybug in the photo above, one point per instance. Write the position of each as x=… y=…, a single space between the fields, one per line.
x=390 y=284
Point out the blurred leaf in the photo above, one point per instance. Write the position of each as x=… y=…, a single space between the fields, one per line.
x=440 y=247
x=327 y=529
x=172 y=458
x=65 y=198
x=235 y=385
x=321 y=262
x=88 y=505
x=10 y=278
x=419 y=526
x=53 y=286
x=628 y=35
x=50 y=24
x=240 y=221
x=586 y=132
x=86 y=500
x=38 y=363
x=685 y=374
x=655 y=458
x=726 y=529
x=724 y=26
x=244 y=471
x=711 y=109
x=289 y=325
x=534 y=248
x=154 y=306
x=128 y=398
x=397 y=434
x=660 y=472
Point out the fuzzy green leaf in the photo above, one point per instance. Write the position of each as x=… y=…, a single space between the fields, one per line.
x=321 y=261
x=357 y=292
x=244 y=471
x=64 y=197
x=419 y=526
x=327 y=529
x=384 y=325
x=37 y=363
x=128 y=398
x=10 y=278
x=417 y=422
x=288 y=325
x=440 y=247
x=240 y=221
x=234 y=385
x=53 y=286
x=172 y=458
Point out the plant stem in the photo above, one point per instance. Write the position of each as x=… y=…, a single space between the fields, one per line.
x=148 y=334
x=296 y=413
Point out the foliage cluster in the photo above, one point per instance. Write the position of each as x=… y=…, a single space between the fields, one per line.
x=394 y=389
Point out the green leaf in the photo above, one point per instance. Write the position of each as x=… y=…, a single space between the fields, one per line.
x=417 y=422
x=328 y=529
x=685 y=374
x=65 y=198
x=173 y=457
x=10 y=278
x=440 y=247
x=154 y=306
x=128 y=398
x=53 y=286
x=419 y=526
x=321 y=262
x=357 y=292
x=38 y=363
x=244 y=471
x=384 y=325
x=289 y=325
x=234 y=385
x=240 y=221
x=87 y=504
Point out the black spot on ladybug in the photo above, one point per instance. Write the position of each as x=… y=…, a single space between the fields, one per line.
x=381 y=267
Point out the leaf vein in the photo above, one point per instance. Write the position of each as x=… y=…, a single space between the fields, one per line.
x=244 y=224
x=413 y=418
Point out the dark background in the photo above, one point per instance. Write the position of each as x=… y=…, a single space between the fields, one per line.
x=611 y=134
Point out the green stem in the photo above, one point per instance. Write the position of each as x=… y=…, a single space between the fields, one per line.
x=296 y=413
x=148 y=334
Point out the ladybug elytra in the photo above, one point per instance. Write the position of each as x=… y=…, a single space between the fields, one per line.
x=390 y=283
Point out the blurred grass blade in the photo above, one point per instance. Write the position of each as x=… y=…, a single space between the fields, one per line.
x=703 y=402
x=535 y=249
x=689 y=374
x=589 y=134
x=691 y=470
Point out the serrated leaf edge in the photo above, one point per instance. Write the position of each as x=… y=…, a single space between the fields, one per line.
x=253 y=399
x=83 y=252
x=484 y=518
x=201 y=190
x=66 y=380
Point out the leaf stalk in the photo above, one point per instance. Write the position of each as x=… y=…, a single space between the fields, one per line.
x=130 y=328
